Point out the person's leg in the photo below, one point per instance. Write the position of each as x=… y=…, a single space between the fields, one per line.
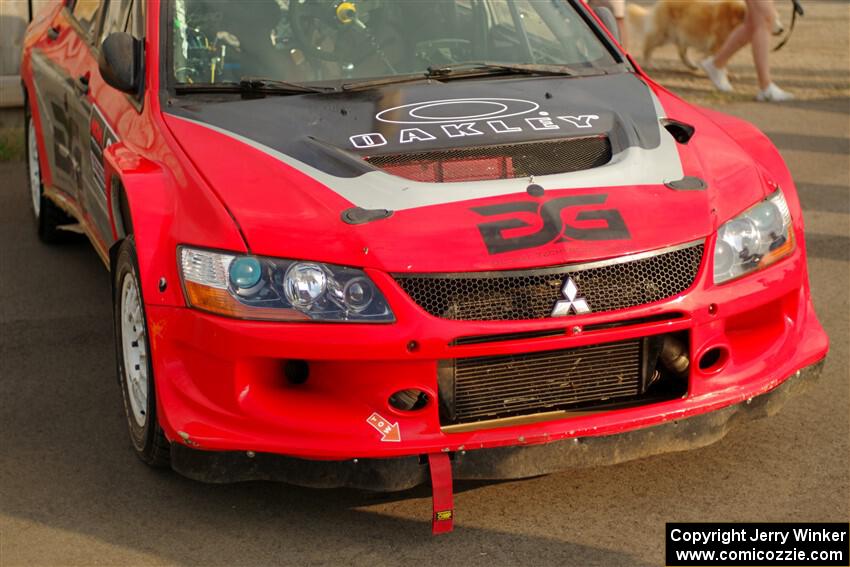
x=764 y=18
x=764 y=15
x=715 y=66
x=739 y=37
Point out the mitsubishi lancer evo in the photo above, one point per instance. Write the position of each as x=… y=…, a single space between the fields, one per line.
x=378 y=244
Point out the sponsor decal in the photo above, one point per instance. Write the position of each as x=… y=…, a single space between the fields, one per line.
x=389 y=431
x=101 y=137
x=467 y=117
x=63 y=140
x=589 y=224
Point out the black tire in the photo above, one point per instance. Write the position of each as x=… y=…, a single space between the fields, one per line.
x=147 y=438
x=49 y=216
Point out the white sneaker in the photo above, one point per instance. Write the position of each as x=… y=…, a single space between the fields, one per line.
x=774 y=94
x=717 y=76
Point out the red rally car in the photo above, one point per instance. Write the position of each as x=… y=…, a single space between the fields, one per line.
x=376 y=244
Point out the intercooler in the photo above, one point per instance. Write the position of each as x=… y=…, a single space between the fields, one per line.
x=495 y=387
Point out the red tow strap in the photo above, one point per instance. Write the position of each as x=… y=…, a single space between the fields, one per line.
x=442 y=520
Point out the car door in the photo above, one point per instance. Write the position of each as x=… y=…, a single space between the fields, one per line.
x=54 y=60
x=95 y=113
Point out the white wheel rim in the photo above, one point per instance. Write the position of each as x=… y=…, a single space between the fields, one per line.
x=35 y=172
x=134 y=345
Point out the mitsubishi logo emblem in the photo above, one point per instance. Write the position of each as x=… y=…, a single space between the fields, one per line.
x=572 y=304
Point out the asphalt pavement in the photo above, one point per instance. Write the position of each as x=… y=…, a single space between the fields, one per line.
x=72 y=492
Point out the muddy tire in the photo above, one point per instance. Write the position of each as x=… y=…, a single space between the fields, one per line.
x=132 y=354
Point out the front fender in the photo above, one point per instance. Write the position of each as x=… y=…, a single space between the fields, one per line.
x=768 y=159
x=760 y=148
x=163 y=213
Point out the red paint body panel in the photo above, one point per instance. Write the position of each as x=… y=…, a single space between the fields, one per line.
x=767 y=322
x=220 y=381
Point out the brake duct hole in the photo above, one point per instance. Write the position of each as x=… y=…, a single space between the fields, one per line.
x=713 y=360
x=296 y=371
x=409 y=400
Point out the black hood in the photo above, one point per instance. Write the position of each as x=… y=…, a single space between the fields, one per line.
x=332 y=132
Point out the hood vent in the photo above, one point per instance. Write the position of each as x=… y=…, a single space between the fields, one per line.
x=498 y=162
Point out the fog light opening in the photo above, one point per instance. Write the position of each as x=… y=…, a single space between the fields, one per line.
x=713 y=359
x=296 y=371
x=411 y=399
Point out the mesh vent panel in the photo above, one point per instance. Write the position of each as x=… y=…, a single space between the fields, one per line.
x=498 y=162
x=504 y=296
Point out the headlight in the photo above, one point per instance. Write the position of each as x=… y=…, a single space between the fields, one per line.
x=251 y=287
x=754 y=239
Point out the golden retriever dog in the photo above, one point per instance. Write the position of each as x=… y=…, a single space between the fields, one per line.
x=699 y=24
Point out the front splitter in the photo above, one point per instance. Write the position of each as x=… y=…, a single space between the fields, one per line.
x=509 y=462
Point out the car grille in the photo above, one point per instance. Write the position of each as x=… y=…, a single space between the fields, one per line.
x=506 y=161
x=493 y=387
x=606 y=286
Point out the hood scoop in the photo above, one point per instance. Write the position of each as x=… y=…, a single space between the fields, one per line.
x=504 y=161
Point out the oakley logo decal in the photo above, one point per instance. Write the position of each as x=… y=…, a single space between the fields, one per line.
x=414 y=135
x=583 y=121
x=365 y=141
x=499 y=127
x=456 y=110
x=542 y=123
x=464 y=117
x=591 y=224
x=460 y=130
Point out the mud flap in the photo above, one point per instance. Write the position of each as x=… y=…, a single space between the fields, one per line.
x=442 y=520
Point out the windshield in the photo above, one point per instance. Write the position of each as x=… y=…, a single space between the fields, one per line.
x=319 y=41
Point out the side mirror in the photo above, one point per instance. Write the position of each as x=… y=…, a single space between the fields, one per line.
x=607 y=16
x=120 y=62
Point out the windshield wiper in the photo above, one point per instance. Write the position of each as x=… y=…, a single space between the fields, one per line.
x=261 y=84
x=253 y=85
x=477 y=69
x=391 y=80
x=474 y=68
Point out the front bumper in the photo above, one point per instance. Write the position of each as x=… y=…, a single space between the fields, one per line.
x=221 y=388
x=509 y=462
